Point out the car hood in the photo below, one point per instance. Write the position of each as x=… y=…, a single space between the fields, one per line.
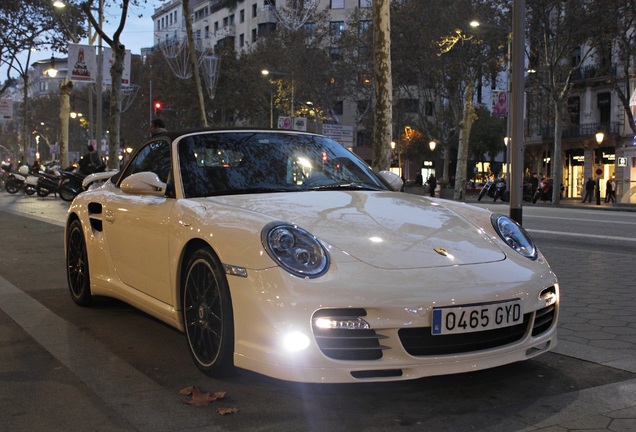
x=383 y=229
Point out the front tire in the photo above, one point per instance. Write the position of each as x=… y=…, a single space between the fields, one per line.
x=207 y=313
x=482 y=192
x=66 y=191
x=77 y=273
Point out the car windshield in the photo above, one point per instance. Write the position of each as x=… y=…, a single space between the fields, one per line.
x=222 y=163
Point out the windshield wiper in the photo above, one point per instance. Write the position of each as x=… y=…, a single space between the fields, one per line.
x=346 y=186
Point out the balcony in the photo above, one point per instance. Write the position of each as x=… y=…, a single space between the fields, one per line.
x=587 y=130
x=266 y=15
x=594 y=72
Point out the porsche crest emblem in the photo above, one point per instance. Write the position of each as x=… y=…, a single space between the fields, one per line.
x=441 y=251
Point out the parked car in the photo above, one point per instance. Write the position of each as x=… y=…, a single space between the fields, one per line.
x=283 y=253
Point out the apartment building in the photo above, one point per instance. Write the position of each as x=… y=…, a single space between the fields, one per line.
x=593 y=107
x=240 y=23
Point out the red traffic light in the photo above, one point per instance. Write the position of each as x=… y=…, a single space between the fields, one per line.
x=158 y=105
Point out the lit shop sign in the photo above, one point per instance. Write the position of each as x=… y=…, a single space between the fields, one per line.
x=622 y=161
x=578 y=158
x=428 y=164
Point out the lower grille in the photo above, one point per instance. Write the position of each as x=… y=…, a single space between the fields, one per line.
x=420 y=341
x=347 y=344
x=543 y=320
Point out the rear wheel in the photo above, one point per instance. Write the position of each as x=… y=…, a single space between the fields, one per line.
x=42 y=191
x=207 y=313
x=77 y=274
x=12 y=186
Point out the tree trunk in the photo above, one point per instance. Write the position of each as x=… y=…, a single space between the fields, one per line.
x=25 y=115
x=383 y=86
x=195 y=64
x=556 y=159
x=464 y=135
x=114 y=123
x=65 y=111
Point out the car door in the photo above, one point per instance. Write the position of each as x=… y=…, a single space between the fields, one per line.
x=137 y=227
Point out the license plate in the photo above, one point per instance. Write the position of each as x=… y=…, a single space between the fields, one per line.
x=474 y=318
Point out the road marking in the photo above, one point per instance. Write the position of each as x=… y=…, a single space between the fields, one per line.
x=600 y=237
x=582 y=220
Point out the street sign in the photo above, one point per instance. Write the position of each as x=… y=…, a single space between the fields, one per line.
x=340 y=133
x=598 y=170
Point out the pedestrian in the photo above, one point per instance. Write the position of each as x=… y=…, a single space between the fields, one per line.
x=613 y=195
x=418 y=179
x=608 y=191
x=157 y=127
x=432 y=184
x=589 y=190
x=534 y=181
x=90 y=163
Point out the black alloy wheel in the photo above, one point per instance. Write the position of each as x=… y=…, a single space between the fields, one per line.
x=29 y=190
x=207 y=314
x=12 y=186
x=77 y=274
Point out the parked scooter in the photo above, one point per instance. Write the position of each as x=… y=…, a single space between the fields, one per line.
x=70 y=185
x=544 y=191
x=4 y=174
x=495 y=189
x=48 y=182
x=21 y=181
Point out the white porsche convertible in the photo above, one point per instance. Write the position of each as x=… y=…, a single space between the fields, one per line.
x=285 y=254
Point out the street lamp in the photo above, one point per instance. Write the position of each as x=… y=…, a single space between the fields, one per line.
x=267 y=72
x=598 y=170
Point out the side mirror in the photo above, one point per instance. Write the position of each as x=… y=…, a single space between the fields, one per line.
x=143 y=183
x=393 y=179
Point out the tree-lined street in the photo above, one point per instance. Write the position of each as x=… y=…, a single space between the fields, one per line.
x=113 y=368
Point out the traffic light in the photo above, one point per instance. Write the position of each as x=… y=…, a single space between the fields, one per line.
x=157 y=106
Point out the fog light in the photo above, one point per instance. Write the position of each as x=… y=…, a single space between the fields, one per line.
x=341 y=323
x=296 y=341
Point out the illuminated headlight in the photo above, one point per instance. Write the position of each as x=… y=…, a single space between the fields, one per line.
x=294 y=249
x=296 y=341
x=514 y=235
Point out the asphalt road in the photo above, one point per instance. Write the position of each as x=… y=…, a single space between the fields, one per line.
x=113 y=368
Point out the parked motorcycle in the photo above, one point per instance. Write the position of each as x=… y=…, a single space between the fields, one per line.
x=48 y=182
x=21 y=181
x=70 y=185
x=495 y=189
x=4 y=174
x=544 y=191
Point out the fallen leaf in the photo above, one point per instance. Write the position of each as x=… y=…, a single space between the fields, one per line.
x=224 y=411
x=200 y=398
x=186 y=391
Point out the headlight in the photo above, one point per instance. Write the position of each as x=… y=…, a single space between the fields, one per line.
x=297 y=251
x=514 y=235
